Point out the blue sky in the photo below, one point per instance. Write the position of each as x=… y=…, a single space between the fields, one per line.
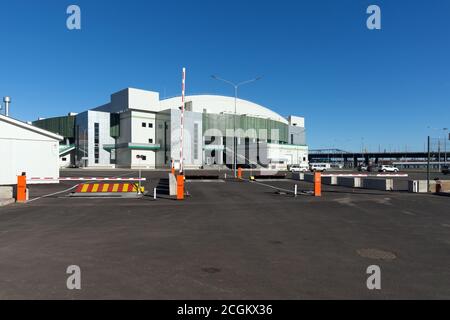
x=380 y=89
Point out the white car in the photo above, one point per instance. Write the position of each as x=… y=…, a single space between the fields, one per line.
x=298 y=168
x=386 y=168
x=319 y=167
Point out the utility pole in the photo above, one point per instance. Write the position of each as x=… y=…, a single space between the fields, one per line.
x=445 y=144
x=428 y=164
x=439 y=154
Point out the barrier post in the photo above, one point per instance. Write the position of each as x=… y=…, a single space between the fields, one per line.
x=180 y=187
x=295 y=191
x=239 y=173
x=317 y=184
x=154 y=194
x=21 y=188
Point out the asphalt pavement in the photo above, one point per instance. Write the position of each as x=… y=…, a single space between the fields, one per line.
x=228 y=240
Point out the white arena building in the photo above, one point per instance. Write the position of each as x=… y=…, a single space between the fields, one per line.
x=136 y=122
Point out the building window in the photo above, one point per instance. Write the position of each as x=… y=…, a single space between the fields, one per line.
x=144 y=125
x=150 y=125
x=195 y=141
x=292 y=139
x=96 y=142
x=150 y=140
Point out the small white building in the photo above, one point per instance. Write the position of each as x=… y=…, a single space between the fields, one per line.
x=29 y=149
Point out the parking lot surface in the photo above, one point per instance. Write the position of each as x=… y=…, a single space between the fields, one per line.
x=228 y=240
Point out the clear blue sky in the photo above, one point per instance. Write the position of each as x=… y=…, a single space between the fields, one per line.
x=318 y=59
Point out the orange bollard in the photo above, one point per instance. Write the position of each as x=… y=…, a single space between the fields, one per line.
x=21 y=188
x=239 y=173
x=180 y=187
x=317 y=184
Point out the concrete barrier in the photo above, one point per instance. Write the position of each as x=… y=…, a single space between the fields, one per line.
x=172 y=185
x=6 y=196
x=298 y=176
x=309 y=177
x=331 y=180
x=6 y=192
x=378 y=184
x=445 y=185
x=420 y=186
x=415 y=186
x=351 y=182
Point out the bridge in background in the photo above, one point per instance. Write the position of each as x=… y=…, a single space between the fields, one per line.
x=353 y=159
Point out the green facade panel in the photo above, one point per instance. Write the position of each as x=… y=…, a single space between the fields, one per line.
x=252 y=127
x=64 y=126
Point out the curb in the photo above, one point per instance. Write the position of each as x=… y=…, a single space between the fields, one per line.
x=443 y=194
x=5 y=202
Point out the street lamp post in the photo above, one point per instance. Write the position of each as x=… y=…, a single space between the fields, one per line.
x=236 y=87
x=445 y=144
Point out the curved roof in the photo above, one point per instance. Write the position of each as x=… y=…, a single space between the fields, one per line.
x=222 y=104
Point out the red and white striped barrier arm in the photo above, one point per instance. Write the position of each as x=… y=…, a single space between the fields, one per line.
x=344 y=175
x=363 y=175
x=392 y=175
x=85 y=179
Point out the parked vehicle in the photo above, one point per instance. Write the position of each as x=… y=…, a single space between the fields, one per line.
x=319 y=167
x=298 y=168
x=337 y=165
x=445 y=169
x=388 y=168
x=363 y=167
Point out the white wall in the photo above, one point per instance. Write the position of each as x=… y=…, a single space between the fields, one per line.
x=141 y=134
x=296 y=121
x=22 y=150
x=190 y=119
x=132 y=132
x=218 y=104
x=103 y=119
x=292 y=154
x=67 y=162
x=134 y=99
x=148 y=163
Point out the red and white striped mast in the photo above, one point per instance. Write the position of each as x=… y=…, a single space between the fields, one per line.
x=183 y=91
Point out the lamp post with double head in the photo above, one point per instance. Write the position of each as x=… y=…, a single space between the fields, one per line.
x=236 y=88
